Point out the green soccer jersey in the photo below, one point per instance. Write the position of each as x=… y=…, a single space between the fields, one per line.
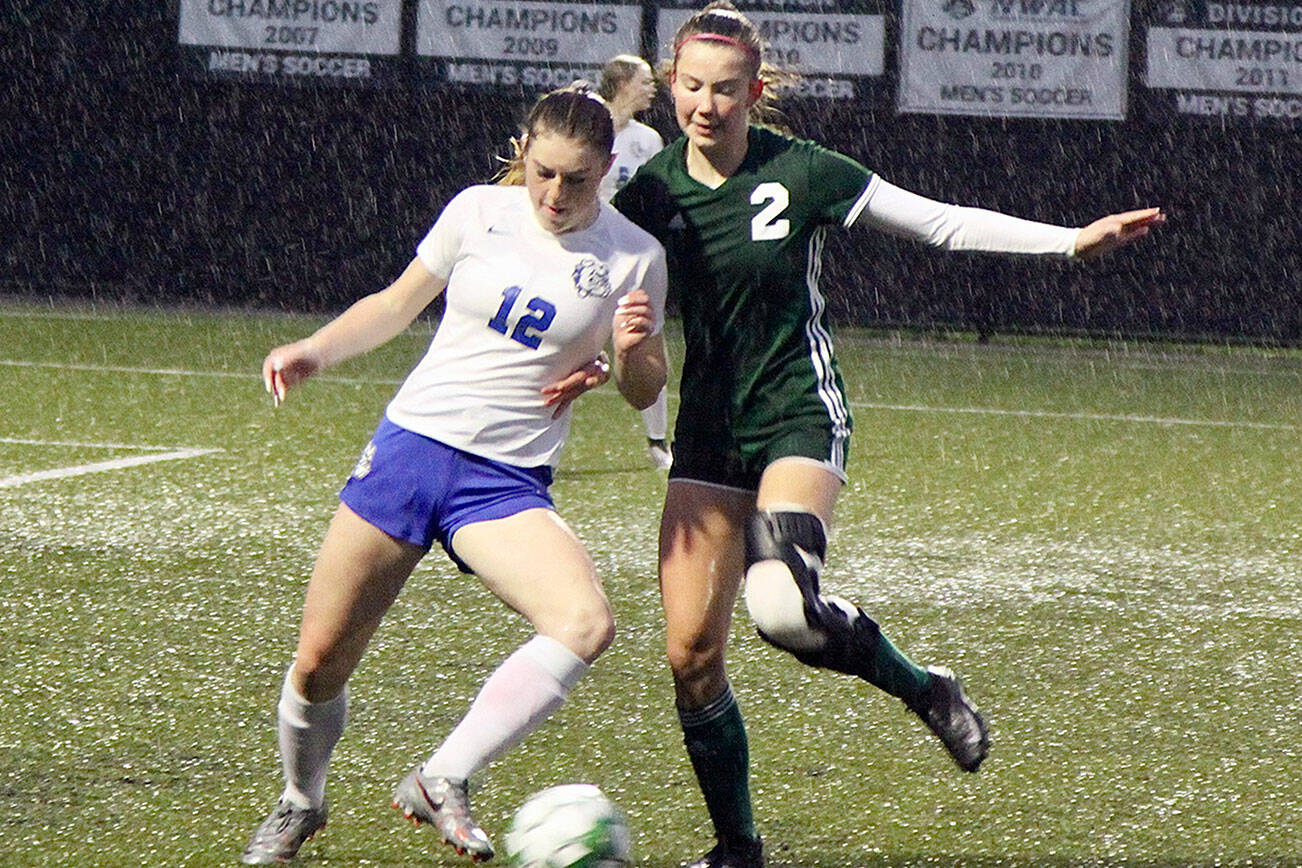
x=744 y=264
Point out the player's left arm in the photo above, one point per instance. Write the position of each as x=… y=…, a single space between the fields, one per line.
x=640 y=367
x=1116 y=230
x=954 y=227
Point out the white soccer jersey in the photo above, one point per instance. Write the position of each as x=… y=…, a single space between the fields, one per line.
x=634 y=145
x=524 y=308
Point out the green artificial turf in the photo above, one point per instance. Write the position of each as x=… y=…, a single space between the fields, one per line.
x=1103 y=539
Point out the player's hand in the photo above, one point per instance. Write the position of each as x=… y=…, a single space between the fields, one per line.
x=287 y=366
x=1116 y=230
x=634 y=320
x=563 y=392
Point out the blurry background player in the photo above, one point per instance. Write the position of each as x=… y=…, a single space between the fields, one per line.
x=536 y=277
x=763 y=423
x=628 y=86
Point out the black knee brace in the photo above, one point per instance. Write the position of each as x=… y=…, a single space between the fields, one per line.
x=851 y=635
x=783 y=536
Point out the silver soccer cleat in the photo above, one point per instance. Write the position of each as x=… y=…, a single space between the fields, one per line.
x=445 y=805
x=279 y=837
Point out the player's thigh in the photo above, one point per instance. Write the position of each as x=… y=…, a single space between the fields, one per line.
x=800 y=483
x=702 y=555
x=359 y=571
x=536 y=564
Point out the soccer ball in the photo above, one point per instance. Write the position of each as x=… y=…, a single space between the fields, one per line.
x=570 y=826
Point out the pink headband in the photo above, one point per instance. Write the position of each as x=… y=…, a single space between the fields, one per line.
x=749 y=50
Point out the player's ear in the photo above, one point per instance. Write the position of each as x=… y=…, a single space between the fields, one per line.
x=756 y=90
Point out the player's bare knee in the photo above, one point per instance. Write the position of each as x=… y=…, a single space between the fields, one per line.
x=600 y=634
x=695 y=663
x=587 y=630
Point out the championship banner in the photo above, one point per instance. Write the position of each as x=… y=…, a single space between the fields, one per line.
x=527 y=43
x=291 y=40
x=830 y=49
x=1240 y=60
x=1015 y=58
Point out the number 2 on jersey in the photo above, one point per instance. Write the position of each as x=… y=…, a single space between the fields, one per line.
x=765 y=226
x=528 y=328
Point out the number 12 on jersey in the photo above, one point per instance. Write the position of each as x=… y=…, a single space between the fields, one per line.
x=528 y=328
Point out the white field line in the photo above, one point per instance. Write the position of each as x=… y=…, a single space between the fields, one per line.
x=179 y=372
x=1089 y=417
x=906 y=408
x=77 y=444
x=100 y=466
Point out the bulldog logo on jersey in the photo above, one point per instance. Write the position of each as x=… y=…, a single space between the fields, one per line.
x=592 y=278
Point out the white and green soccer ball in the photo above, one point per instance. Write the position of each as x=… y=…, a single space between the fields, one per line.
x=570 y=826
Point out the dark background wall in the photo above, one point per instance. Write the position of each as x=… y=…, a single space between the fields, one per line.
x=122 y=179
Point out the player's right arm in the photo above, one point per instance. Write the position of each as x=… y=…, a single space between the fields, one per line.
x=368 y=323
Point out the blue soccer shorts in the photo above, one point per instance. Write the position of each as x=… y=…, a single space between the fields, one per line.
x=419 y=490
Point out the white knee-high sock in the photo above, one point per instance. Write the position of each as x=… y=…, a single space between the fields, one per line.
x=523 y=692
x=656 y=417
x=308 y=733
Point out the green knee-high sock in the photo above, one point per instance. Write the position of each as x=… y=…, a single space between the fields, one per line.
x=855 y=645
x=891 y=669
x=716 y=742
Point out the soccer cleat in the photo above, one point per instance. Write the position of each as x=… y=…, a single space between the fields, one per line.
x=285 y=830
x=445 y=805
x=659 y=454
x=743 y=853
x=945 y=708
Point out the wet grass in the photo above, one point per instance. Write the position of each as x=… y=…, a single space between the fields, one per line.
x=1104 y=539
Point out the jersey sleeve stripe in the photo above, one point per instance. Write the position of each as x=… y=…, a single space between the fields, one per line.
x=862 y=202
